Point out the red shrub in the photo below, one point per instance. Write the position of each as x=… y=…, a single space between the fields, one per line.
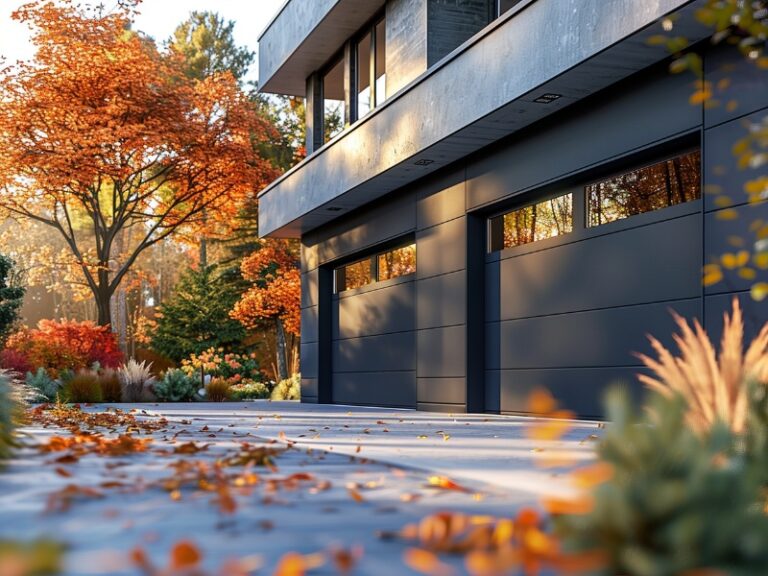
x=15 y=361
x=66 y=345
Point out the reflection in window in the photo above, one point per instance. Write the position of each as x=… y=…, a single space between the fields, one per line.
x=660 y=185
x=398 y=262
x=381 y=62
x=394 y=263
x=364 y=76
x=333 y=101
x=539 y=221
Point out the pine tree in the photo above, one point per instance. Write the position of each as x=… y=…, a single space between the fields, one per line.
x=196 y=317
x=11 y=296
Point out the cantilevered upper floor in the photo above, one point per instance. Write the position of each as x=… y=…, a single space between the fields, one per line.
x=397 y=89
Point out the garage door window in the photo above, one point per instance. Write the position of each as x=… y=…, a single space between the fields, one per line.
x=546 y=219
x=394 y=263
x=673 y=181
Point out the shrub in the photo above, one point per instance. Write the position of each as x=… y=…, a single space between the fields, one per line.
x=83 y=388
x=66 y=345
x=218 y=364
x=136 y=380
x=217 y=390
x=15 y=361
x=111 y=388
x=715 y=388
x=10 y=412
x=248 y=391
x=676 y=501
x=289 y=389
x=176 y=386
x=46 y=387
x=157 y=363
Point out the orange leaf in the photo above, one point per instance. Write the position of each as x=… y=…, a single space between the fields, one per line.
x=426 y=562
x=184 y=555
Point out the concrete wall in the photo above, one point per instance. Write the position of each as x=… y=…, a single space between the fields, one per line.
x=567 y=312
x=406 y=42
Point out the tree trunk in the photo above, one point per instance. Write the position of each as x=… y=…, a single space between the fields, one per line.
x=103 y=301
x=282 y=367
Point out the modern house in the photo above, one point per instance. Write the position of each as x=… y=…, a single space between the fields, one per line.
x=501 y=194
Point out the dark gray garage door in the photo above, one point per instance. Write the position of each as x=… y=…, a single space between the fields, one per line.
x=567 y=313
x=374 y=345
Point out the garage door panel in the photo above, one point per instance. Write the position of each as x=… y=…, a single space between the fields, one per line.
x=385 y=353
x=379 y=311
x=597 y=338
x=653 y=263
x=577 y=389
x=396 y=389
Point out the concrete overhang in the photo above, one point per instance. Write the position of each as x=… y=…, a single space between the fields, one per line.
x=303 y=36
x=482 y=92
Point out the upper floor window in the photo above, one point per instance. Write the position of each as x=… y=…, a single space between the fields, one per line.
x=505 y=5
x=371 y=68
x=673 y=181
x=334 y=102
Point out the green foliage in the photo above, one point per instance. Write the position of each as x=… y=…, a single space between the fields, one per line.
x=10 y=412
x=207 y=45
x=678 y=501
x=196 y=317
x=11 y=296
x=176 y=386
x=46 y=387
x=83 y=388
x=248 y=391
x=289 y=389
x=38 y=558
x=217 y=390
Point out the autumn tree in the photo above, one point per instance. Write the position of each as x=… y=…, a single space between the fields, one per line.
x=107 y=141
x=274 y=297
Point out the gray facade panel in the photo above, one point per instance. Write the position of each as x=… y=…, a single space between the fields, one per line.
x=648 y=264
x=384 y=353
x=309 y=289
x=367 y=228
x=597 y=338
x=441 y=300
x=755 y=315
x=309 y=324
x=377 y=389
x=722 y=174
x=442 y=390
x=630 y=116
x=373 y=312
x=441 y=249
x=747 y=85
x=308 y=389
x=718 y=240
x=309 y=359
x=577 y=389
x=441 y=200
x=441 y=352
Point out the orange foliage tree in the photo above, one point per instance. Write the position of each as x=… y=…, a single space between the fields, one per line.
x=105 y=139
x=275 y=295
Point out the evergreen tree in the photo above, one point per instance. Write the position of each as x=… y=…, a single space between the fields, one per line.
x=11 y=295
x=196 y=317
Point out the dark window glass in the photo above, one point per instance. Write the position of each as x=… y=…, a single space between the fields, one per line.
x=364 y=76
x=653 y=187
x=505 y=5
x=539 y=221
x=381 y=62
x=398 y=262
x=333 y=101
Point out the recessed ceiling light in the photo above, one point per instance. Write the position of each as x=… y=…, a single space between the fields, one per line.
x=335 y=209
x=424 y=162
x=547 y=98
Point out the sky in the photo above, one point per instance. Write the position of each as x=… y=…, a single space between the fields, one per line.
x=158 y=18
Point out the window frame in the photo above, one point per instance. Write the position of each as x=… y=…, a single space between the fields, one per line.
x=357 y=38
x=577 y=184
x=339 y=268
x=335 y=60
